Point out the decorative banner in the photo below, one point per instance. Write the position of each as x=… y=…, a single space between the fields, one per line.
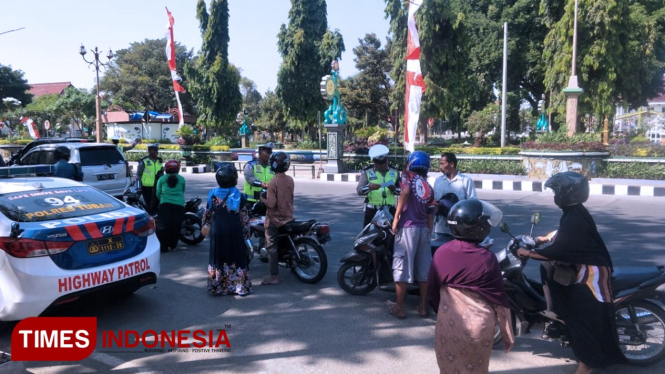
x=30 y=124
x=170 y=56
x=415 y=85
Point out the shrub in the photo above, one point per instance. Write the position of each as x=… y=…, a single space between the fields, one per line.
x=632 y=170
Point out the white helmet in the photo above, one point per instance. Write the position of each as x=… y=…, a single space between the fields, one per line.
x=378 y=152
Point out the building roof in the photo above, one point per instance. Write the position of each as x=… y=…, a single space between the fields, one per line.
x=41 y=89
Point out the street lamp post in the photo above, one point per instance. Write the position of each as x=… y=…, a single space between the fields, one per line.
x=98 y=101
x=573 y=91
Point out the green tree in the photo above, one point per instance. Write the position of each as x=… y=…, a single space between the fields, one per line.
x=139 y=77
x=74 y=106
x=273 y=114
x=251 y=99
x=39 y=110
x=12 y=84
x=372 y=81
x=396 y=12
x=483 y=121
x=214 y=82
x=307 y=48
x=620 y=52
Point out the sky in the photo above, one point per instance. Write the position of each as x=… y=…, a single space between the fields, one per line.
x=47 y=49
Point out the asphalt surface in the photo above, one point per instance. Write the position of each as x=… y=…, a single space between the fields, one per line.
x=300 y=328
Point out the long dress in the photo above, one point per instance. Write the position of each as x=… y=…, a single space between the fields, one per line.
x=228 y=268
x=464 y=332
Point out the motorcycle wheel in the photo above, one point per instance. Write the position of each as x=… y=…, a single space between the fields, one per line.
x=648 y=348
x=352 y=279
x=190 y=230
x=313 y=262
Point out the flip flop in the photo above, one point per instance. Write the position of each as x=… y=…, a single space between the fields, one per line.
x=269 y=283
x=391 y=310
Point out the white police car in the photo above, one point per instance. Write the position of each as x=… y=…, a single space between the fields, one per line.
x=60 y=240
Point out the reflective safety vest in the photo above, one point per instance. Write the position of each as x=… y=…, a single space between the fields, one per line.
x=150 y=171
x=376 y=197
x=261 y=173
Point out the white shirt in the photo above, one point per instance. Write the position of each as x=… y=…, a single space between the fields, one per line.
x=460 y=185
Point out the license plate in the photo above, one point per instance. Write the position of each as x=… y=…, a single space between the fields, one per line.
x=98 y=246
x=105 y=177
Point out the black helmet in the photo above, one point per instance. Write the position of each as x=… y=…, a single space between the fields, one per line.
x=279 y=162
x=472 y=219
x=226 y=175
x=62 y=153
x=445 y=203
x=569 y=188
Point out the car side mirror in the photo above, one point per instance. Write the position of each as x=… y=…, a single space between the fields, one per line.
x=504 y=227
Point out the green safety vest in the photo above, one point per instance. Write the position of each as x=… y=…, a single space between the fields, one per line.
x=261 y=173
x=150 y=171
x=376 y=197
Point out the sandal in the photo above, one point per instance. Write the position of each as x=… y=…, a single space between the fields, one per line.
x=267 y=282
x=423 y=314
x=392 y=310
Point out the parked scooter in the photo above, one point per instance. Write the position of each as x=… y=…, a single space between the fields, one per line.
x=300 y=245
x=190 y=230
x=370 y=263
x=640 y=316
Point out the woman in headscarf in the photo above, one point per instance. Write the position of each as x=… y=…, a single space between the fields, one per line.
x=586 y=305
x=465 y=287
x=228 y=266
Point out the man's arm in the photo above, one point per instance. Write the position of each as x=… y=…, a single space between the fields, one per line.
x=470 y=189
x=248 y=172
x=363 y=184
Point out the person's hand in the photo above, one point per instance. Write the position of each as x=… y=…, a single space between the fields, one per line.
x=521 y=252
x=392 y=188
x=374 y=186
x=541 y=239
x=264 y=185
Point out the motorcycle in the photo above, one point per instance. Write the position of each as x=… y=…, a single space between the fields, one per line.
x=300 y=245
x=640 y=316
x=190 y=230
x=370 y=263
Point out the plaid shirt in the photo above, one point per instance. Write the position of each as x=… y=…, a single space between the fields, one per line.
x=279 y=200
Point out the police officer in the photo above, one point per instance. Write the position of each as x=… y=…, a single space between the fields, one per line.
x=149 y=170
x=378 y=182
x=258 y=173
x=122 y=150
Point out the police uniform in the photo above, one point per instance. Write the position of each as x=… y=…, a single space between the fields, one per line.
x=255 y=174
x=374 y=199
x=149 y=171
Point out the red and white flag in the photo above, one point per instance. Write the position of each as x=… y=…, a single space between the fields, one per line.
x=415 y=84
x=170 y=56
x=32 y=129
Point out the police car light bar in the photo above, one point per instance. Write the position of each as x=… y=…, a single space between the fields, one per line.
x=22 y=171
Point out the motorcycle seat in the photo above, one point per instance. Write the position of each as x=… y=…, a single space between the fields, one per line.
x=628 y=277
x=296 y=227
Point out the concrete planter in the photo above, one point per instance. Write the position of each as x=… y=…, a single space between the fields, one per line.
x=543 y=164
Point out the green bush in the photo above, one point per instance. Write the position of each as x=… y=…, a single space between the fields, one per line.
x=632 y=170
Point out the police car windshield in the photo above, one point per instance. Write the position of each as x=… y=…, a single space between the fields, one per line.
x=56 y=204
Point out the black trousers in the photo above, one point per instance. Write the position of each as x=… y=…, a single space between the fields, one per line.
x=150 y=198
x=169 y=221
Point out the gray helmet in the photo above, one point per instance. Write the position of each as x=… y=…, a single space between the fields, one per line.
x=569 y=188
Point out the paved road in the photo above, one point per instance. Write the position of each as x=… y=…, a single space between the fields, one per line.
x=300 y=328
